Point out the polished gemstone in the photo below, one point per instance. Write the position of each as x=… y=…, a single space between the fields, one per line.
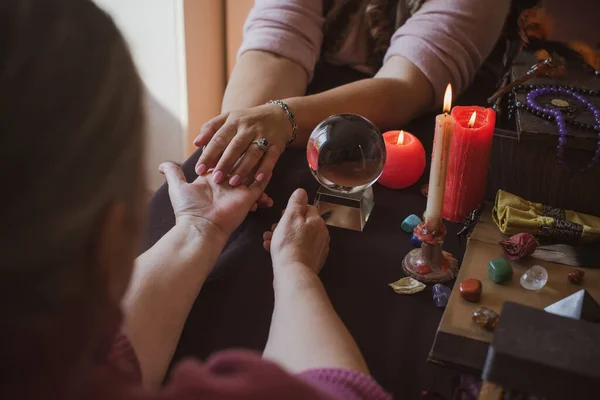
x=499 y=270
x=576 y=276
x=534 y=278
x=407 y=286
x=486 y=318
x=441 y=295
x=410 y=223
x=415 y=241
x=470 y=290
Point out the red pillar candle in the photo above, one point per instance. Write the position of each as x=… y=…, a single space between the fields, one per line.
x=469 y=161
x=405 y=160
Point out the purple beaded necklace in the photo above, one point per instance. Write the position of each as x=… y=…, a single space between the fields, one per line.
x=558 y=117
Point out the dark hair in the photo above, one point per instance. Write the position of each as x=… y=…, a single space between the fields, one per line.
x=71 y=132
x=383 y=18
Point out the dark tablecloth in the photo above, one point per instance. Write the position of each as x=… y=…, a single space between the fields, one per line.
x=394 y=332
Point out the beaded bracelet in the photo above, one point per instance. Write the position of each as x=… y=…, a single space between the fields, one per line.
x=290 y=116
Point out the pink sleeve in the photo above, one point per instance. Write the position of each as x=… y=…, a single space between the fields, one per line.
x=292 y=29
x=241 y=374
x=237 y=374
x=448 y=40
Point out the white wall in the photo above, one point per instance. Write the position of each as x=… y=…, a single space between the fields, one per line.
x=155 y=32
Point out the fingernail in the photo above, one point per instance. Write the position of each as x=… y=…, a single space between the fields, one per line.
x=218 y=176
x=196 y=140
x=260 y=177
x=235 y=180
x=201 y=169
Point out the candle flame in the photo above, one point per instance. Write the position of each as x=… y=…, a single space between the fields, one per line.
x=472 y=120
x=400 y=138
x=448 y=99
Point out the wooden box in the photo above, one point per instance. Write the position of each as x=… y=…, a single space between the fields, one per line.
x=524 y=160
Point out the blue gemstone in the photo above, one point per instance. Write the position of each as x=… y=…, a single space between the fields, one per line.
x=410 y=223
x=415 y=241
x=441 y=295
x=562 y=140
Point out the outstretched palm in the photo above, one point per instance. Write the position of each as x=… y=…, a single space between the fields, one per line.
x=204 y=202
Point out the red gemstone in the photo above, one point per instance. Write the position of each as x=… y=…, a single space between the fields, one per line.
x=576 y=276
x=470 y=290
x=423 y=270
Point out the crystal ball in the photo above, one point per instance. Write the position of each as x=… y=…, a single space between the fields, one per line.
x=534 y=278
x=346 y=153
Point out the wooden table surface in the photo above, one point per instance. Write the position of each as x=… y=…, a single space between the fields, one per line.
x=459 y=341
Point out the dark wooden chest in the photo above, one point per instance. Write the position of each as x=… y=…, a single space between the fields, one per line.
x=524 y=154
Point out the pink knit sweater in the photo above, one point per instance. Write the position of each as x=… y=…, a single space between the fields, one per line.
x=234 y=374
x=447 y=40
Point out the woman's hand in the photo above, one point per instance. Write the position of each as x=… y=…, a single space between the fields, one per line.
x=207 y=205
x=230 y=143
x=300 y=237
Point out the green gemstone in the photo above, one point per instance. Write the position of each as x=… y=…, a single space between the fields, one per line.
x=499 y=270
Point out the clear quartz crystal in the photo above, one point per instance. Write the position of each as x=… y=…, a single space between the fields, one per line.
x=534 y=278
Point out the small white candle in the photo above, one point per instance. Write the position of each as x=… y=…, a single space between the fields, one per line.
x=444 y=126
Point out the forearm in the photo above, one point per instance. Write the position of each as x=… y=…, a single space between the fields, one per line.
x=259 y=77
x=397 y=94
x=306 y=332
x=165 y=283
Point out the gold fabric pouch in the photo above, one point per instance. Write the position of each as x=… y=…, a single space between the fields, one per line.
x=514 y=215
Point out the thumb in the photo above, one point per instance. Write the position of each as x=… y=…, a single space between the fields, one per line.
x=173 y=173
x=298 y=203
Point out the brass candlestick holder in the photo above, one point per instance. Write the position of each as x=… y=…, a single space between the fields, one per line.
x=430 y=264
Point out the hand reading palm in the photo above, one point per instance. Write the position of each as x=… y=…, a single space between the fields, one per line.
x=204 y=202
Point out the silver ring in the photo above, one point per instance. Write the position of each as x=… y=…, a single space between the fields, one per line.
x=262 y=144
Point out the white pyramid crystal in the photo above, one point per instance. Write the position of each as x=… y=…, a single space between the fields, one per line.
x=579 y=305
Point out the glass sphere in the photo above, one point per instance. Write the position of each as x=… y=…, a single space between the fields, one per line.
x=346 y=153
